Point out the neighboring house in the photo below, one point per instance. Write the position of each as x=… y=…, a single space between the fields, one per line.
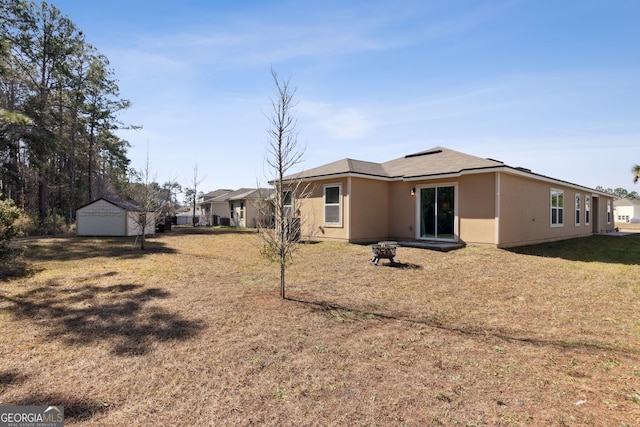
x=244 y=206
x=213 y=206
x=237 y=208
x=448 y=196
x=111 y=217
x=627 y=210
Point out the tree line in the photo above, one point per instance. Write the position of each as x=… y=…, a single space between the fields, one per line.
x=59 y=105
x=619 y=192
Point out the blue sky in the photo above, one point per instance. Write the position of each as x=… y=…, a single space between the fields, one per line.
x=550 y=85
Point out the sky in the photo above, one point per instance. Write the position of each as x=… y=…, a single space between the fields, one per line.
x=549 y=85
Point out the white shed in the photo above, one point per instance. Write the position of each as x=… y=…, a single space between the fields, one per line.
x=111 y=217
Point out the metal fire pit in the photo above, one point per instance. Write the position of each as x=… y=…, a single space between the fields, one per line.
x=383 y=250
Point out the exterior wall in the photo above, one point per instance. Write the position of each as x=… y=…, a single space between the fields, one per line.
x=525 y=212
x=496 y=208
x=605 y=221
x=101 y=218
x=627 y=213
x=402 y=211
x=477 y=208
x=312 y=212
x=252 y=213
x=369 y=201
x=221 y=209
x=133 y=228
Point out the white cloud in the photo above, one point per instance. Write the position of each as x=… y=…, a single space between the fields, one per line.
x=337 y=122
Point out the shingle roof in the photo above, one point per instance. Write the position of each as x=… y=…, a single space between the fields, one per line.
x=216 y=193
x=241 y=194
x=436 y=161
x=626 y=202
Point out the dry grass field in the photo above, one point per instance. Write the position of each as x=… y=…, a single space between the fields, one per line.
x=193 y=332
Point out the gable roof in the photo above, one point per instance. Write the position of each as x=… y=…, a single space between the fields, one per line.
x=438 y=160
x=242 y=194
x=128 y=205
x=215 y=193
x=433 y=163
x=626 y=202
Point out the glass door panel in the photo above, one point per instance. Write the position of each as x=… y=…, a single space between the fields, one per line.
x=427 y=213
x=437 y=213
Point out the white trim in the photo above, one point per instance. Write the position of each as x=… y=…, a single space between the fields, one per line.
x=324 y=205
x=349 y=208
x=587 y=212
x=577 y=208
x=456 y=231
x=497 y=209
x=505 y=169
x=551 y=207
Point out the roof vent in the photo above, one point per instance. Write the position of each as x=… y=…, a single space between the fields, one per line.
x=520 y=168
x=423 y=153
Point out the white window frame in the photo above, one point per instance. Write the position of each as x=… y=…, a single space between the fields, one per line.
x=287 y=207
x=576 y=215
x=608 y=211
x=558 y=209
x=587 y=210
x=325 y=205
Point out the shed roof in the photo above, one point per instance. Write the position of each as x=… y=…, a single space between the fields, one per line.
x=128 y=205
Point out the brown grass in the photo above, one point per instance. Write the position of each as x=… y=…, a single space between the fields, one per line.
x=192 y=332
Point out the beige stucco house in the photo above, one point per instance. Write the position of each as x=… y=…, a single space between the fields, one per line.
x=212 y=206
x=445 y=195
x=237 y=208
x=112 y=217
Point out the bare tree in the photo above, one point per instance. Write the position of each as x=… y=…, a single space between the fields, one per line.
x=151 y=199
x=191 y=193
x=281 y=236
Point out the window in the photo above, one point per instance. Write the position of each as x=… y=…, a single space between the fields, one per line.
x=577 y=209
x=608 y=211
x=587 y=210
x=241 y=210
x=287 y=202
x=332 y=205
x=286 y=198
x=557 y=208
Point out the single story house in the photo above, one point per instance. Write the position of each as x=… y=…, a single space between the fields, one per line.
x=212 y=206
x=112 y=217
x=627 y=210
x=445 y=195
x=237 y=208
x=244 y=206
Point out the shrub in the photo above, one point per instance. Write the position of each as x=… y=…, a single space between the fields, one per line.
x=9 y=213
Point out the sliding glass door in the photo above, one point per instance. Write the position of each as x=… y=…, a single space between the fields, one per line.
x=436 y=213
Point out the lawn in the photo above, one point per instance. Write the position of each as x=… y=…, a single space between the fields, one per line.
x=193 y=332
